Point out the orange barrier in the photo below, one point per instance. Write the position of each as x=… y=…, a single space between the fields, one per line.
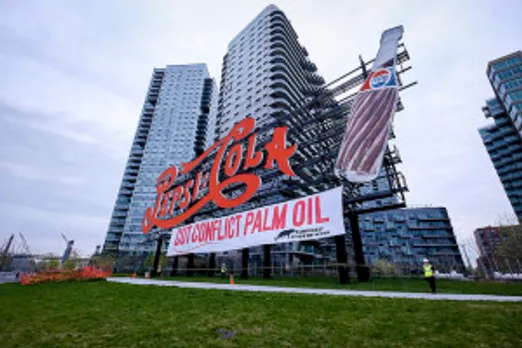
x=87 y=273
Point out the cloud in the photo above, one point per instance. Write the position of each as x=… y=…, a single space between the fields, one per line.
x=42 y=228
x=30 y=173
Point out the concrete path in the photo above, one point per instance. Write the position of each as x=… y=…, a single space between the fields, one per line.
x=8 y=277
x=260 y=288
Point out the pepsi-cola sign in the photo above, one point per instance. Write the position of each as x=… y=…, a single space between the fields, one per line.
x=381 y=78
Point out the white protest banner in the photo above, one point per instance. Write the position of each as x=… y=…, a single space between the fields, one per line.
x=312 y=217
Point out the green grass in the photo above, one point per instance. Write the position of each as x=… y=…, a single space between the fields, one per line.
x=102 y=314
x=404 y=284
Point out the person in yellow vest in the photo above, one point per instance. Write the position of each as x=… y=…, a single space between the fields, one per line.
x=429 y=275
x=223 y=270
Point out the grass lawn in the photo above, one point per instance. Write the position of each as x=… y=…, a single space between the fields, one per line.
x=101 y=314
x=404 y=284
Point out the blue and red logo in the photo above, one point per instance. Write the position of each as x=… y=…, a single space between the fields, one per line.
x=384 y=77
x=380 y=78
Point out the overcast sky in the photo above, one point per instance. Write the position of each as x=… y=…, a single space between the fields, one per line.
x=73 y=77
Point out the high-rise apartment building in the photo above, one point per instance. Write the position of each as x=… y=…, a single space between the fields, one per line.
x=503 y=139
x=405 y=237
x=491 y=259
x=487 y=239
x=505 y=75
x=266 y=72
x=179 y=111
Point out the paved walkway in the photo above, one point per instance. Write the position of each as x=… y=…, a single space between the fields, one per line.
x=260 y=288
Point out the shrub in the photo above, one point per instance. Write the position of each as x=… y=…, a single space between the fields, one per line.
x=87 y=273
x=385 y=268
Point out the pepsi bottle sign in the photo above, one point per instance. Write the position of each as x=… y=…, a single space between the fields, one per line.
x=381 y=78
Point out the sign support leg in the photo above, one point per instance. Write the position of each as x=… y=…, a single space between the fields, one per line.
x=155 y=265
x=266 y=262
x=363 y=272
x=174 y=271
x=340 y=250
x=244 y=263
x=190 y=265
x=212 y=265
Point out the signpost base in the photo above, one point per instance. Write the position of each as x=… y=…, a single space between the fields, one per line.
x=267 y=263
x=363 y=272
x=340 y=250
x=190 y=265
x=174 y=271
x=155 y=265
x=244 y=263
x=212 y=265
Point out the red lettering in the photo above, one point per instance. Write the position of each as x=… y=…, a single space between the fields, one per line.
x=222 y=234
x=318 y=218
x=257 y=222
x=210 y=186
x=176 y=195
x=233 y=160
x=186 y=195
x=230 y=231
x=278 y=152
x=164 y=204
x=195 y=233
x=165 y=182
x=172 y=203
x=279 y=218
x=182 y=235
x=310 y=211
x=265 y=220
x=298 y=216
x=249 y=220
x=217 y=228
x=238 y=220
x=230 y=221
x=253 y=157
x=204 y=180
x=211 y=231
x=178 y=240
x=197 y=184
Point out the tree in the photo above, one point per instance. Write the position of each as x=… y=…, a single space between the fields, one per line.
x=149 y=261
x=510 y=246
x=72 y=262
x=385 y=268
x=49 y=263
x=102 y=261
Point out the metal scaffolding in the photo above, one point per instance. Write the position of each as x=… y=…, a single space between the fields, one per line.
x=317 y=125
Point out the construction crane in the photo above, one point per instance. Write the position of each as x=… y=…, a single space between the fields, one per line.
x=68 y=249
x=30 y=262
x=24 y=244
x=4 y=257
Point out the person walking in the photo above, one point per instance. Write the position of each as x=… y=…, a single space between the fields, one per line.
x=429 y=275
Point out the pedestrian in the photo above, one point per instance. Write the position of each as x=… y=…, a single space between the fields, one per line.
x=429 y=275
x=223 y=270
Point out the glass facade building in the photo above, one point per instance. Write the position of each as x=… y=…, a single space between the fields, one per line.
x=179 y=110
x=503 y=139
x=265 y=72
x=406 y=236
x=487 y=239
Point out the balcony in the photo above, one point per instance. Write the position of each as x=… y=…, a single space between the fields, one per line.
x=110 y=246
x=119 y=213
